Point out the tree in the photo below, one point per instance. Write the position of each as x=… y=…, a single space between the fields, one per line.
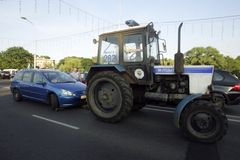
x=86 y=64
x=236 y=70
x=16 y=58
x=168 y=62
x=230 y=64
x=205 y=56
x=68 y=63
x=46 y=57
x=94 y=59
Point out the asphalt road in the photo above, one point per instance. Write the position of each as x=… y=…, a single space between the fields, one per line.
x=32 y=131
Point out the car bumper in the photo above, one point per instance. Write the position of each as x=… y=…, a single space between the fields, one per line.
x=72 y=101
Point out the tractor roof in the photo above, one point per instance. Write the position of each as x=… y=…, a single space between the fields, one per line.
x=125 y=30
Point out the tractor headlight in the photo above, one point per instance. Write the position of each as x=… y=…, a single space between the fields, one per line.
x=67 y=93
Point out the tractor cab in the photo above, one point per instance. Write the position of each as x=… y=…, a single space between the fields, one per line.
x=135 y=50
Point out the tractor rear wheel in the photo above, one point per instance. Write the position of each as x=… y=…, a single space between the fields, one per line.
x=203 y=121
x=109 y=96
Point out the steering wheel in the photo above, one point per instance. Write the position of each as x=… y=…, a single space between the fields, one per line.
x=133 y=56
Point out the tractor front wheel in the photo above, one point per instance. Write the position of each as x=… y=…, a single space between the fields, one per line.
x=109 y=96
x=203 y=121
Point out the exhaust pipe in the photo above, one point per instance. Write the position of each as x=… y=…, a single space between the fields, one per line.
x=178 y=57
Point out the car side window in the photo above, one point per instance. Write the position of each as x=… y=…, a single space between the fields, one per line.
x=18 y=76
x=27 y=77
x=217 y=77
x=229 y=78
x=38 y=78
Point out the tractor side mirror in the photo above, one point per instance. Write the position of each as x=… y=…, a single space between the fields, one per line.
x=95 y=41
x=162 y=46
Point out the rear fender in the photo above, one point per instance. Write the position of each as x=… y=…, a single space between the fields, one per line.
x=99 y=68
x=182 y=105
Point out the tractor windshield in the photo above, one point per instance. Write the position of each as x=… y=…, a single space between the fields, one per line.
x=109 y=52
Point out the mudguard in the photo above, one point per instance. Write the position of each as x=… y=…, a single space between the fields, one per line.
x=180 y=107
x=117 y=67
x=102 y=67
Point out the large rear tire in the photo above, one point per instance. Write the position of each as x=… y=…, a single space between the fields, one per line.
x=109 y=96
x=203 y=121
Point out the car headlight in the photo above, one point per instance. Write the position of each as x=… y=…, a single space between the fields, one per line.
x=67 y=93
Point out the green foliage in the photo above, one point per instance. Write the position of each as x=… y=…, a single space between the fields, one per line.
x=16 y=58
x=168 y=62
x=94 y=59
x=236 y=69
x=211 y=56
x=46 y=57
x=205 y=56
x=86 y=63
x=68 y=63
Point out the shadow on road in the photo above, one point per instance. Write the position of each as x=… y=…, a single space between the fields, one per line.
x=199 y=151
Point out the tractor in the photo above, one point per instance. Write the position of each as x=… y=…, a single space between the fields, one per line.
x=129 y=73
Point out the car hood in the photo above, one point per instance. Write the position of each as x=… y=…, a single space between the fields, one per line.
x=73 y=87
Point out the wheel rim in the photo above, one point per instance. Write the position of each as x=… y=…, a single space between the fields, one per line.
x=107 y=96
x=203 y=124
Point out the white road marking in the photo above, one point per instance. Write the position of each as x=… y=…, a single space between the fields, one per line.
x=231 y=118
x=56 y=122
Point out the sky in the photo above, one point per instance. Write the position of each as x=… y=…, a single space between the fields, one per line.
x=60 y=28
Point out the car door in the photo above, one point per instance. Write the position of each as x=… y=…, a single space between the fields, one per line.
x=26 y=84
x=39 y=87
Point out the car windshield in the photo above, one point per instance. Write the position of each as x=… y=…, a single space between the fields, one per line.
x=58 y=77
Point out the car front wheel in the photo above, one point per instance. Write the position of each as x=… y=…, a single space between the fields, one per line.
x=54 y=102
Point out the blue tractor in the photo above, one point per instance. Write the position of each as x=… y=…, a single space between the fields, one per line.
x=129 y=73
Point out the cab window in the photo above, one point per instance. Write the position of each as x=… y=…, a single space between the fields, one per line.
x=109 y=53
x=133 y=48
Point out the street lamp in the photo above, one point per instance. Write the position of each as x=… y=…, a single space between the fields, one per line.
x=35 y=41
x=24 y=18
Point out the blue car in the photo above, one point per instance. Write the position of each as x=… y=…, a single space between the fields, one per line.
x=49 y=86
